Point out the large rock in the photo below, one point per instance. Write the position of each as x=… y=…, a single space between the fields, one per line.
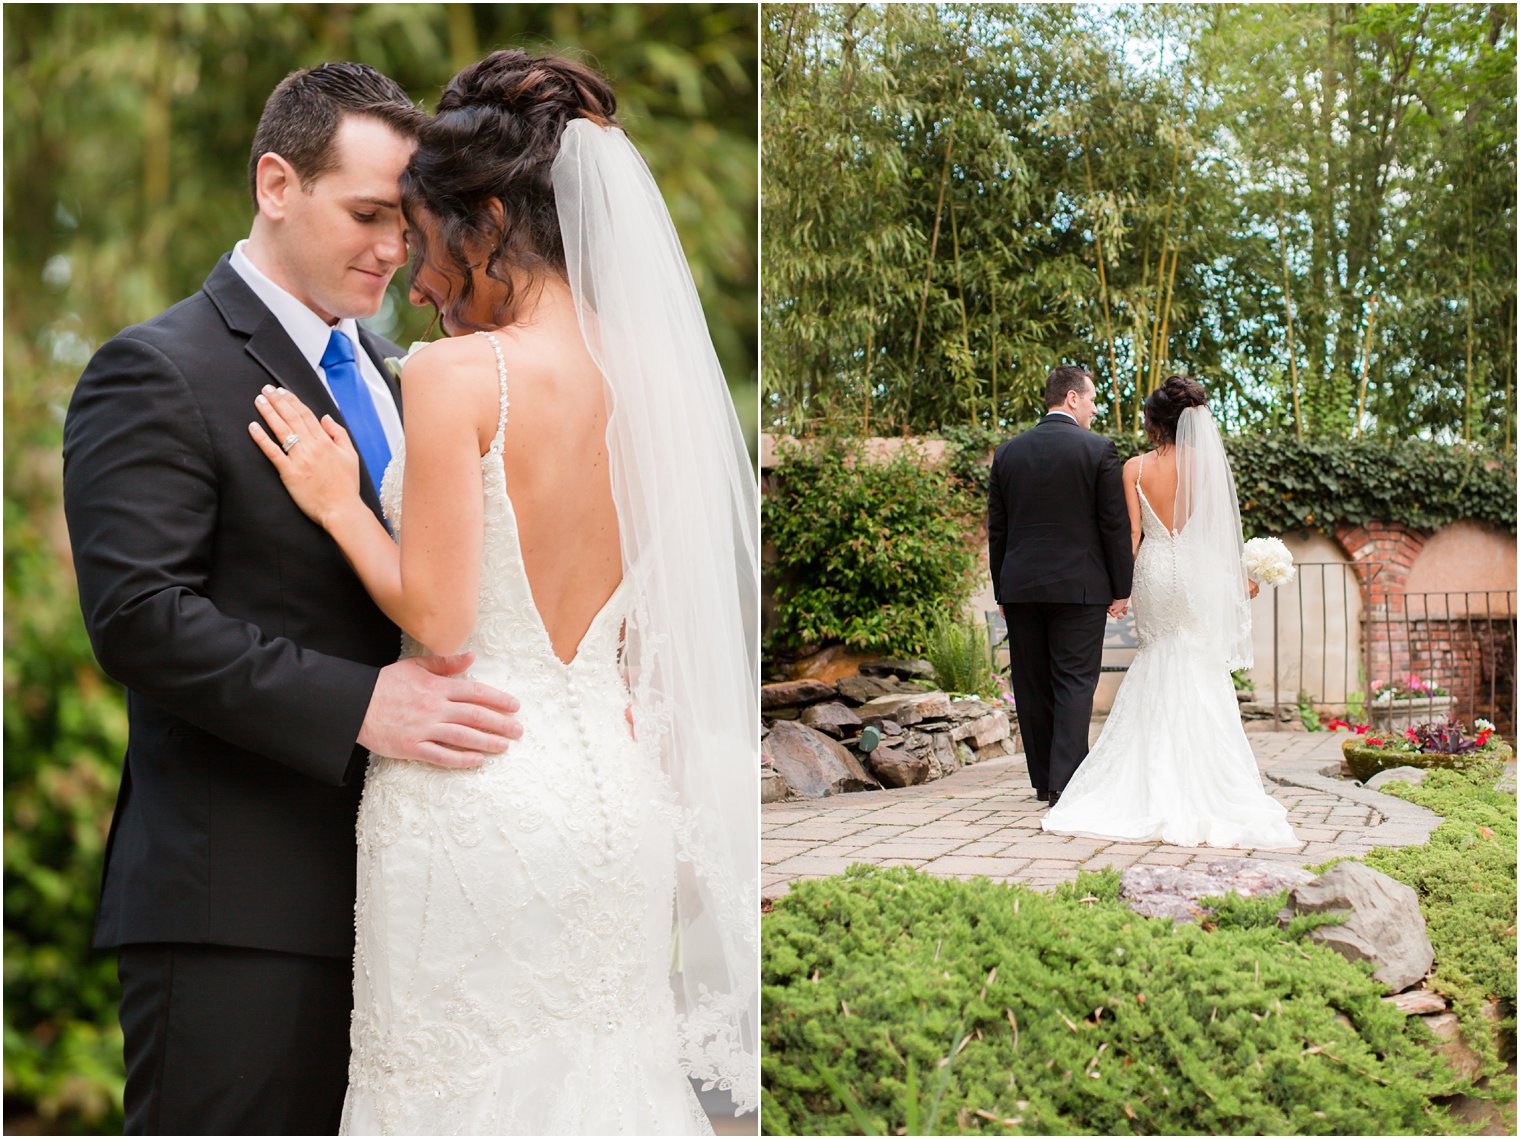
x=902 y=669
x=970 y=709
x=791 y=694
x=906 y=709
x=859 y=689
x=812 y=764
x=995 y=750
x=1402 y=774
x=794 y=694
x=829 y=665
x=896 y=767
x=1383 y=922
x=832 y=719
x=1174 y=891
x=943 y=754
x=982 y=731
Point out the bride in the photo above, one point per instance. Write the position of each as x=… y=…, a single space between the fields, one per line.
x=1173 y=763
x=560 y=939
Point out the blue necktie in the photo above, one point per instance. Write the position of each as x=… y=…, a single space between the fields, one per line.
x=353 y=399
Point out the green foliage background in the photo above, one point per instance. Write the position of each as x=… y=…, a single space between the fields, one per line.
x=1310 y=206
x=126 y=139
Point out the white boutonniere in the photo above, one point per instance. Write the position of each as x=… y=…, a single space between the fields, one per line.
x=396 y=363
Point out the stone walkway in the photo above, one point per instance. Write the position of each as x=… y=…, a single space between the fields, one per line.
x=984 y=820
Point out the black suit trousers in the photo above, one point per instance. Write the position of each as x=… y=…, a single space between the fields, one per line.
x=226 y=1041
x=1056 y=654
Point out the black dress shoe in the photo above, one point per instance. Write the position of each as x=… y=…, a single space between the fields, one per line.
x=1041 y=795
x=1055 y=797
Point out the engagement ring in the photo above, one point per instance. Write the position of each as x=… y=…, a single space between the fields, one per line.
x=290 y=441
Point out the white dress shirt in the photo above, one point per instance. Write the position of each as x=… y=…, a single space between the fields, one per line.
x=1058 y=411
x=310 y=334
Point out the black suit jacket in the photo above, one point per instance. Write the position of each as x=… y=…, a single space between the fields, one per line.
x=248 y=648
x=1057 y=526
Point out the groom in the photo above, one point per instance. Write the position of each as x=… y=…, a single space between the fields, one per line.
x=1058 y=543
x=258 y=670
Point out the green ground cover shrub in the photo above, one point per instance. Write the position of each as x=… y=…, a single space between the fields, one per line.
x=895 y=1000
x=868 y=553
x=1465 y=876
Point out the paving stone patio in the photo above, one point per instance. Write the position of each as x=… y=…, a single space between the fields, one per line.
x=984 y=820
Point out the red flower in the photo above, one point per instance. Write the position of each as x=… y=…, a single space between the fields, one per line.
x=1373 y=741
x=1336 y=725
x=1410 y=735
x=1483 y=738
x=1360 y=729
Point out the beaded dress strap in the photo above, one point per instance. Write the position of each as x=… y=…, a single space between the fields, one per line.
x=501 y=379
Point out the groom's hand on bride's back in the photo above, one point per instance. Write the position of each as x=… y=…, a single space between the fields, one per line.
x=423 y=709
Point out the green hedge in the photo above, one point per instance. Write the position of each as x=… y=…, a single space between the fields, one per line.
x=1291 y=484
x=894 y=1000
x=868 y=553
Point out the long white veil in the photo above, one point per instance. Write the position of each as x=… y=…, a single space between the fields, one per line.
x=1207 y=519
x=686 y=502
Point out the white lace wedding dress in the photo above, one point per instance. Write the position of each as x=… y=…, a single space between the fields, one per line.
x=1172 y=762
x=513 y=923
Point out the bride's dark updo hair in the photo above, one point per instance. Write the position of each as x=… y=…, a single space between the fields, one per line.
x=495 y=135
x=1165 y=405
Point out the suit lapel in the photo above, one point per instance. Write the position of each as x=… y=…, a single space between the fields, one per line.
x=277 y=355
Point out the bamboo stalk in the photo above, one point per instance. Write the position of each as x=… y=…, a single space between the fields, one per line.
x=1509 y=387
x=1166 y=315
x=939 y=206
x=1467 y=396
x=1108 y=328
x=992 y=288
x=1361 y=403
x=1166 y=233
x=955 y=245
x=923 y=300
x=870 y=354
x=1298 y=419
x=1145 y=277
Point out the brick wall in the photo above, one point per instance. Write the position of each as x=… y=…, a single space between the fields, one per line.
x=1448 y=639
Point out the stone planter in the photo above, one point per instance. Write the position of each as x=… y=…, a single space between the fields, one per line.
x=1405 y=712
x=1364 y=761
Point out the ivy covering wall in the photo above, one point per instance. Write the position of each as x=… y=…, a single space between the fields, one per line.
x=1292 y=484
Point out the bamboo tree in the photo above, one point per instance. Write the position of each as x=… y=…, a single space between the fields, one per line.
x=1361 y=403
x=960 y=288
x=1298 y=418
x=1108 y=328
x=939 y=206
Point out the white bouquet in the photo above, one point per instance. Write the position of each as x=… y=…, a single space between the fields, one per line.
x=1268 y=562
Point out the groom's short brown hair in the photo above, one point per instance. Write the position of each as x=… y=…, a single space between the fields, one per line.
x=303 y=113
x=1064 y=378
